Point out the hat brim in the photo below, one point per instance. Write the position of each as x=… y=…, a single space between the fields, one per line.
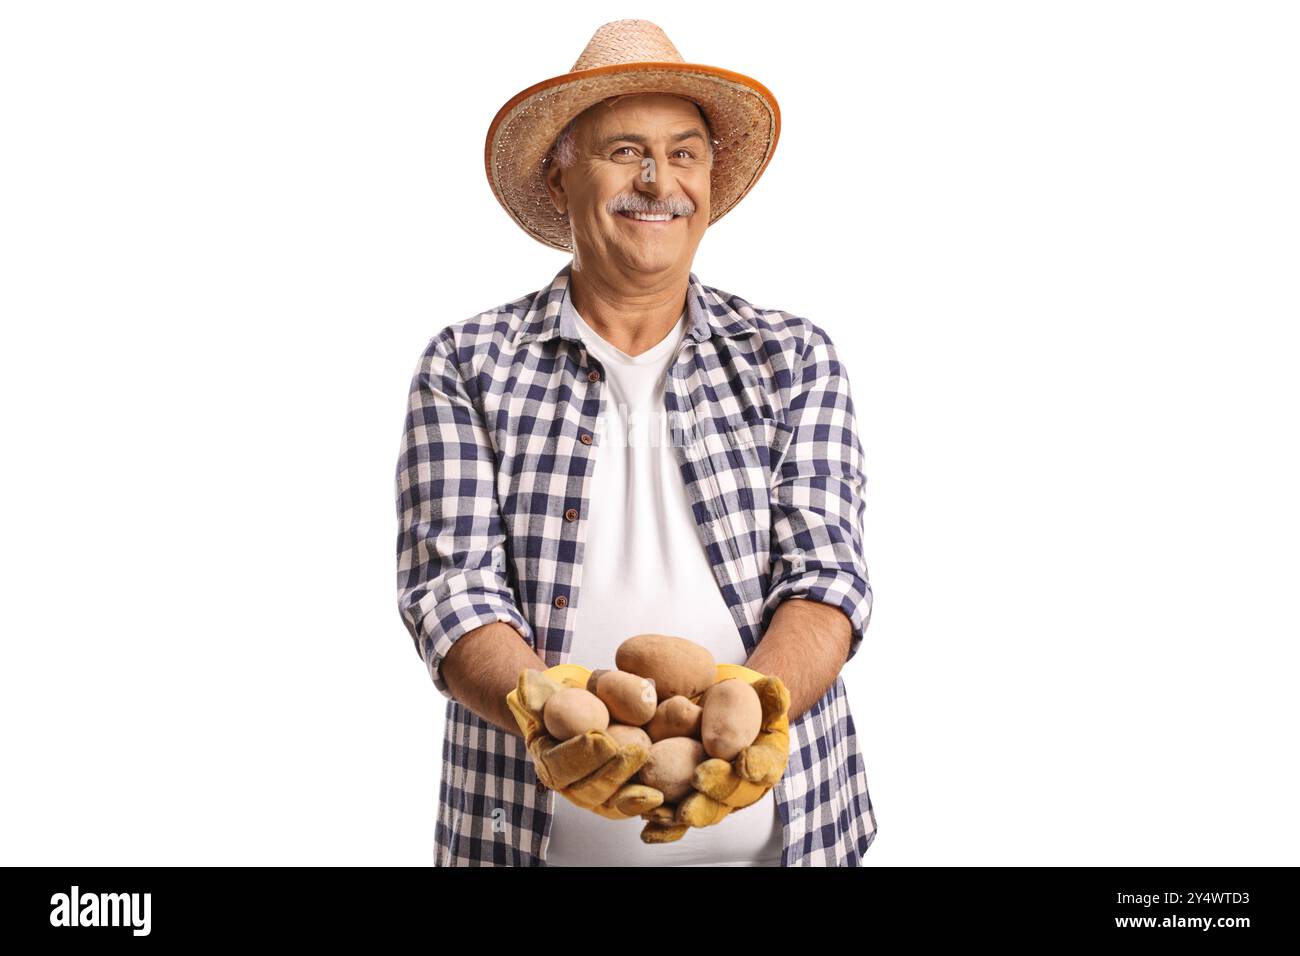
x=743 y=113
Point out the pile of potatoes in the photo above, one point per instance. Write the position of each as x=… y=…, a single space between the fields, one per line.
x=662 y=696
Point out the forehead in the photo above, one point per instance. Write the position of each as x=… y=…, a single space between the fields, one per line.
x=640 y=113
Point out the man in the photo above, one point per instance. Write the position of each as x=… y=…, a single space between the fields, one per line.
x=626 y=451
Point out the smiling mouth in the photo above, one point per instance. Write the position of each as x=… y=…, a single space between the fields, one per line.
x=648 y=217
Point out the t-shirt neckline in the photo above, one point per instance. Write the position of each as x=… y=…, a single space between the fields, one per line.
x=599 y=344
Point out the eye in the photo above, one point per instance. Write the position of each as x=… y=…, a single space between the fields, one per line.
x=621 y=148
x=689 y=154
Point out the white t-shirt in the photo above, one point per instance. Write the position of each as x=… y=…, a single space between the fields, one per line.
x=645 y=570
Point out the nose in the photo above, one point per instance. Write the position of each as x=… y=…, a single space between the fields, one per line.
x=650 y=180
x=655 y=176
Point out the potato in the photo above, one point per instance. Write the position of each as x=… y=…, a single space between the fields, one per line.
x=594 y=679
x=732 y=718
x=676 y=665
x=625 y=734
x=671 y=765
x=572 y=711
x=676 y=717
x=630 y=699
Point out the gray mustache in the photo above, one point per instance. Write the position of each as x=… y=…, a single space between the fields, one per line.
x=677 y=207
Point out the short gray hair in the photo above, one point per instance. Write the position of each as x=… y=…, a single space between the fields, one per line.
x=564 y=151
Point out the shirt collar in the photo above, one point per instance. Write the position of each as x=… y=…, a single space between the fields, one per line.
x=552 y=313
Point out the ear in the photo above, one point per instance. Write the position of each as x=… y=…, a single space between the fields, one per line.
x=555 y=187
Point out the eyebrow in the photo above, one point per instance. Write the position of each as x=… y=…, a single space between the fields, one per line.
x=692 y=133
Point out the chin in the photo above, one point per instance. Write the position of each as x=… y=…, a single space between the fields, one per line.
x=651 y=260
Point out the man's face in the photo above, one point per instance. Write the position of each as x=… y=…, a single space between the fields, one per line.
x=644 y=153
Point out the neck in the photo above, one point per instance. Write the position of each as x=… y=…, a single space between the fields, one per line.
x=632 y=313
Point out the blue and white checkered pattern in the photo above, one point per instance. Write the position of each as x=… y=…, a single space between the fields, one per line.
x=493 y=455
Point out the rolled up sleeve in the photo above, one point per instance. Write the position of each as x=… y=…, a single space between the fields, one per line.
x=452 y=569
x=817 y=502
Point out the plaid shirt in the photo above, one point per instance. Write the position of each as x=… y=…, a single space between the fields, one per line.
x=500 y=427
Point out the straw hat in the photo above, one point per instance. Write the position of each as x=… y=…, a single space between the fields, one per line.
x=627 y=56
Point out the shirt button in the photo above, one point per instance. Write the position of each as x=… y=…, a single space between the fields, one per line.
x=593 y=376
x=571 y=514
x=585 y=438
x=561 y=601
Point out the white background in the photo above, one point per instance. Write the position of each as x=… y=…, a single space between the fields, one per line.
x=1055 y=243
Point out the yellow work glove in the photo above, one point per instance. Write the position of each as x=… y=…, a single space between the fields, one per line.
x=721 y=786
x=590 y=770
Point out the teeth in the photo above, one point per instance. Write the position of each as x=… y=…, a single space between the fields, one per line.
x=649 y=217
